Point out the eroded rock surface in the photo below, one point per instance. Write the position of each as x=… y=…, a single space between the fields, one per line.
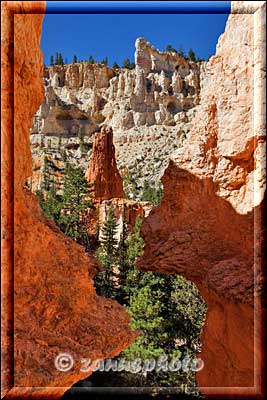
x=102 y=170
x=208 y=225
x=108 y=189
x=56 y=309
x=149 y=109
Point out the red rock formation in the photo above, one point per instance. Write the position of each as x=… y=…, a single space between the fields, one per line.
x=203 y=238
x=126 y=212
x=208 y=225
x=55 y=306
x=102 y=168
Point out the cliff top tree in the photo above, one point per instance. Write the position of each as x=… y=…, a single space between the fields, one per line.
x=115 y=65
x=91 y=60
x=170 y=49
x=191 y=55
x=126 y=63
x=51 y=60
x=59 y=59
x=105 y=61
x=74 y=60
x=181 y=51
x=61 y=62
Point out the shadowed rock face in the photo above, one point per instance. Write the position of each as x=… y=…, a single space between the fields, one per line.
x=208 y=225
x=56 y=309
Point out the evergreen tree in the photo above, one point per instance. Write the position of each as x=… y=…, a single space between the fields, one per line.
x=74 y=60
x=181 y=51
x=51 y=60
x=129 y=185
x=191 y=55
x=77 y=200
x=81 y=135
x=52 y=204
x=126 y=63
x=130 y=250
x=46 y=183
x=169 y=313
x=123 y=267
x=91 y=60
x=170 y=49
x=66 y=61
x=132 y=65
x=60 y=59
x=105 y=61
x=151 y=194
x=115 y=65
x=106 y=281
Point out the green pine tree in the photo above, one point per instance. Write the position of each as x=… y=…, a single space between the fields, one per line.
x=191 y=55
x=91 y=60
x=170 y=49
x=151 y=194
x=74 y=60
x=181 y=51
x=130 y=250
x=60 y=59
x=123 y=266
x=51 y=60
x=77 y=200
x=106 y=282
x=130 y=185
x=169 y=313
x=105 y=61
x=115 y=65
x=126 y=63
x=46 y=170
x=52 y=204
x=81 y=135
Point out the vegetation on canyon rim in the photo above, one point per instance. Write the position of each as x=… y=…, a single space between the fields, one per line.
x=58 y=59
x=167 y=310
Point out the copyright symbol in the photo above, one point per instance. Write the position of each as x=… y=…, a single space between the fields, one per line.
x=64 y=362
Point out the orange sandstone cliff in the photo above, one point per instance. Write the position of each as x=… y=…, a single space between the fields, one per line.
x=208 y=225
x=55 y=306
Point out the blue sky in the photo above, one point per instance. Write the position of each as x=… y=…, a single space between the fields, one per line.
x=114 y=35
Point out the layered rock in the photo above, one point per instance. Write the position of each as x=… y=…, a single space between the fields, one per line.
x=160 y=94
x=208 y=225
x=161 y=86
x=56 y=309
x=102 y=170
